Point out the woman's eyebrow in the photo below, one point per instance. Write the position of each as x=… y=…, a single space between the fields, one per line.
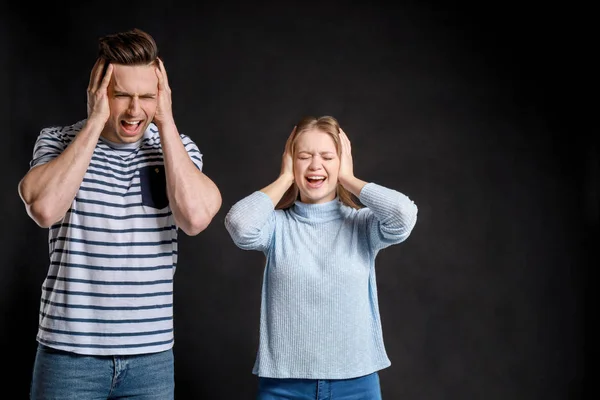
x=321 y=152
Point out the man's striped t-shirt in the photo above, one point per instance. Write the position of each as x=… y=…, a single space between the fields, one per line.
x=109 y=287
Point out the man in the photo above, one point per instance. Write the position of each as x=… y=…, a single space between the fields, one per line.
x=114 y=189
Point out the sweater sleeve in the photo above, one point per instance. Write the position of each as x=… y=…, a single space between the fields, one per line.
x=391 y=215
x=251 y=221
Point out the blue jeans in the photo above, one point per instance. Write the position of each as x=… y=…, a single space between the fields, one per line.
x=362 y=388
x=61 y=375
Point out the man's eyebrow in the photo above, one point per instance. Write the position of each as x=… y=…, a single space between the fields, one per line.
x=119 y=92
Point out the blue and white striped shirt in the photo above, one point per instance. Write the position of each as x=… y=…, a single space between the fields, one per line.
x=109 y=287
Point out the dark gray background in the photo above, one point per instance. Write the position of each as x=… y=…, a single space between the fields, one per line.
x=465 y=108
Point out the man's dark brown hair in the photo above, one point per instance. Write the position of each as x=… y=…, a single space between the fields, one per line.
x=134 y=47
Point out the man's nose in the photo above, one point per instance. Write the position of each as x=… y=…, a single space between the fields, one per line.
x=134 y=105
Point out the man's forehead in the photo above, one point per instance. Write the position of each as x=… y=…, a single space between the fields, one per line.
x=134 y=76
x=131 y=70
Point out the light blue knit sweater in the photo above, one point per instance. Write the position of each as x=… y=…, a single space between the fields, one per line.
x=319 y=312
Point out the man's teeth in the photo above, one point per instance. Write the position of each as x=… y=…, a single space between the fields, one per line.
x=132 y=123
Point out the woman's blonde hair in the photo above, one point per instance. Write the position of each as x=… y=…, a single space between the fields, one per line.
x=329 y=125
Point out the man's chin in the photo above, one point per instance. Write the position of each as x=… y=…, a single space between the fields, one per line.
x=125 y=138
x=131 y=136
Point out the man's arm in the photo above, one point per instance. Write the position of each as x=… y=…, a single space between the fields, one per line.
x=48 y=190
x=193 y=197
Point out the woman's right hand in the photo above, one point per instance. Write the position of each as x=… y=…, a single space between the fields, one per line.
x=287 y=163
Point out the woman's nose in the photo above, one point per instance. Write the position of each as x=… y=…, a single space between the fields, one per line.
x=314 y=164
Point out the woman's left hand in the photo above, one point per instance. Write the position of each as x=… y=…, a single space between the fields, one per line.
x=346 y=171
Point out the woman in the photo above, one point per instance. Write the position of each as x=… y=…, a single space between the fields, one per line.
x=320 y=229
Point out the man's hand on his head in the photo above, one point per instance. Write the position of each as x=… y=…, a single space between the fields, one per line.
x=97 y=96
x=164 y=111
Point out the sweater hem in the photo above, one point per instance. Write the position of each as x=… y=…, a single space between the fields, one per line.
x=302 y=375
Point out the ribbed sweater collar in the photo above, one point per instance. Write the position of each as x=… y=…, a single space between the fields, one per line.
x=319 y=212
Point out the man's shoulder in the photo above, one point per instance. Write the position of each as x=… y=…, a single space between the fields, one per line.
x=63 y=130
x=152 y=135
x=151 y=132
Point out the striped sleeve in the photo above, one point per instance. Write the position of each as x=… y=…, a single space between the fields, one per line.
x=50 y=143
x=192 y=150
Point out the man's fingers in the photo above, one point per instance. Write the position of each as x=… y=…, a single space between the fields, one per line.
x=162 y=74
x=95 y=75
x=106 y=78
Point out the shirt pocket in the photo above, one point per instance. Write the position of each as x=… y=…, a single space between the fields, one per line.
x=153 y=184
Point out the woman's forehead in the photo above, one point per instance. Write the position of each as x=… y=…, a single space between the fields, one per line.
x=315 y=138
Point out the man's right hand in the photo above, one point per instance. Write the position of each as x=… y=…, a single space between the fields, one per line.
x=97 y=96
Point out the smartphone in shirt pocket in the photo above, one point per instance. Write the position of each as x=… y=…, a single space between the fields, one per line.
x=153 y=184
